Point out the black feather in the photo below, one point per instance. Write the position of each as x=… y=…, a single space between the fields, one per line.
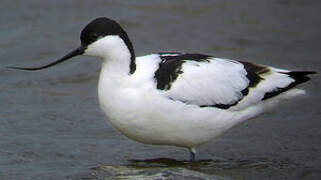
x=171 y=67
x=299 y=78
x=253 y=74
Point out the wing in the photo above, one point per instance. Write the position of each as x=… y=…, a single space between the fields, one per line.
x=206 y=81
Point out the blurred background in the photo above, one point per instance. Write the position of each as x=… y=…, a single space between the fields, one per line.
x=51 y=126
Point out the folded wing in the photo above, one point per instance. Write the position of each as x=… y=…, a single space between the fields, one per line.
x=206 y=81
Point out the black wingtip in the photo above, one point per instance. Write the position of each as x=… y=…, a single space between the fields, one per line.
x=300 y=76
x=301 y=73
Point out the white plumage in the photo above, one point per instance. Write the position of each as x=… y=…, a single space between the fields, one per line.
x=142 y=112
x=216 y=81
x=175 y=98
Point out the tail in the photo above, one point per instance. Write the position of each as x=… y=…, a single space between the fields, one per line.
x=268 y=101
x=299 y=78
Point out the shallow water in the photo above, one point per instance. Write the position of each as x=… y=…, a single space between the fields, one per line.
x=51 y=126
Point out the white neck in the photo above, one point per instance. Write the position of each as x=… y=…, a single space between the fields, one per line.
x=114 y=54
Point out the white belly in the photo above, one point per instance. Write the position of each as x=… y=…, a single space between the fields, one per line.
x=149 y=118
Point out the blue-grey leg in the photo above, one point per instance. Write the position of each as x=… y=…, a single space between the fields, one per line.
x=192 y=154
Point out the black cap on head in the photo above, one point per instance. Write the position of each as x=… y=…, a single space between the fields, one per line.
x=98 y=28
x=101 y=27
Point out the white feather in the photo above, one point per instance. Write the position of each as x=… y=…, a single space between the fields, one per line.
x=218 y=81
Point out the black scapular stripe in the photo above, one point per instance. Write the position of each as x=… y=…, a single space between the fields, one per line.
x=171 y=67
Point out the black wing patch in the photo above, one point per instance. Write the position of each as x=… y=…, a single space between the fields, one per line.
x=298 y=76
x=253 y=74
x=171 y=67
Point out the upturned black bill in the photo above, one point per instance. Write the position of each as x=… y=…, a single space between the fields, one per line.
x=72 y=54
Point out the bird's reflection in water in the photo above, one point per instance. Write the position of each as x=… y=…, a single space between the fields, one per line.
x=218 y=168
